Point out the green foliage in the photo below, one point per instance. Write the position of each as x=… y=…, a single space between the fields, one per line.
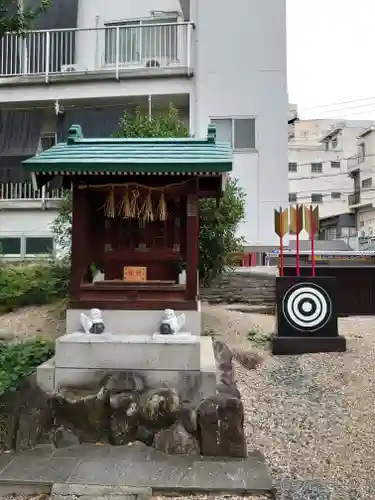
x=257 y=336
x=62 y=225
x=218 y=226
x=18 y=361
x=162 y=124
x=13 y=19
x=31 y=284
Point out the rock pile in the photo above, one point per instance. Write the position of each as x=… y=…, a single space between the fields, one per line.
x=123 y=410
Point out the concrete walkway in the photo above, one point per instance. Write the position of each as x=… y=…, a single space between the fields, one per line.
x=135 y=466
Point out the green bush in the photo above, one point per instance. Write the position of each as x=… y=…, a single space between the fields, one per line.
x=26 y=284
x=18 y=361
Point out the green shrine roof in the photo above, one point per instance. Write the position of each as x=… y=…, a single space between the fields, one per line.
x=130 y=156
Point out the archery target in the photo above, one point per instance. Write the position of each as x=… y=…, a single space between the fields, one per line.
x=307 y=307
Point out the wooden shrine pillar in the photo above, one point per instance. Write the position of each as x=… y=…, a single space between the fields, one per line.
x=80 y=231
x=192 y=233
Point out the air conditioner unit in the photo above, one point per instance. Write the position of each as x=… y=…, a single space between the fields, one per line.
x=152 y=63
x=69 y=68
x=163 y=62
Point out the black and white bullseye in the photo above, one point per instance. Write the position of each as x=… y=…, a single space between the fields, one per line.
x=307 y=307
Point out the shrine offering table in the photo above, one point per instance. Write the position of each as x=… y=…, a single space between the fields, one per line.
x=148 y=295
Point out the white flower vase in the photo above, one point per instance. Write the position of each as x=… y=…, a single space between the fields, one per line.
x=182 y=278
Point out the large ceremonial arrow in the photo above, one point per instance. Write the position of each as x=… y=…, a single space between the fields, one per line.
x=281 y=229
x=296 y=226
x=312 y=226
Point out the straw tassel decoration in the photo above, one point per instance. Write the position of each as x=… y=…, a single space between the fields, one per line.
x=124 y=206
x=134 y=209
x=146 y=210
x=110 y=205
x=162 y=208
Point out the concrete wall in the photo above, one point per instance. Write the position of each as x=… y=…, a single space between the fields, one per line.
x=240 y=71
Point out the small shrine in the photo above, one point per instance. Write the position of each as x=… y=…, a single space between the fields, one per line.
x=132 y=354
x=135 y=216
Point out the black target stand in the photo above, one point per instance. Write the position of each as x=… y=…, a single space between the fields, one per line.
x=306 y=316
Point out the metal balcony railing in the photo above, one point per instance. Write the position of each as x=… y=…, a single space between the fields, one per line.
x=354 y=198
x=51 y=52
x=24 y=191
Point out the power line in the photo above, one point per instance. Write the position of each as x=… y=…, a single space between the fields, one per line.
x=347 y=108
x=338 y=103
x=358 y=113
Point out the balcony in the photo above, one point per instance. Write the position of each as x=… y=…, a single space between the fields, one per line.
x=354 y=198
x=22 y=195
x=353 y=162
x=112 y=52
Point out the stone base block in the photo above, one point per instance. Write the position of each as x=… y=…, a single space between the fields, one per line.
x=133 y=322
x=174 y=411
x=193 y=385
x=305 y=345
x=128 y=352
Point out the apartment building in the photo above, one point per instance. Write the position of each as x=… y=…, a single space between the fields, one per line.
x=318 y=175
x=91 y=60
x=361 y=170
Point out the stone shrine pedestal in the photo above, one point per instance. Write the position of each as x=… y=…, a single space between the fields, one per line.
x=183 y=361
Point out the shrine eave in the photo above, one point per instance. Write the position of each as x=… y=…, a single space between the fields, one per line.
x=155 y=156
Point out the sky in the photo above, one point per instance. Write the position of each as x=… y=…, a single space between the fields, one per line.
x=331 y=58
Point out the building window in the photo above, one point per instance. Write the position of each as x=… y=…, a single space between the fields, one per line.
x=316 y=198
x=143 y=45
x=47 y=140
x=239 y=132
x=39 y=246
x=334 y=142
x=362 y=152
x=366 y=183
x=10 y=246
x=292 y=197
x=335 y=164
x=292 y=167
x=244 y=133
x=330 y=233
x=326 y=145
x=224 y=130
x=335 y=195
x=316 y=168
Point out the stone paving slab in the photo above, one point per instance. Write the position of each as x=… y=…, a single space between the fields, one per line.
x=135 y=466
x=63 y=491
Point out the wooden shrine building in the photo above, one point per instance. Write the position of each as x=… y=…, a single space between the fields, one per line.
x=135 y=215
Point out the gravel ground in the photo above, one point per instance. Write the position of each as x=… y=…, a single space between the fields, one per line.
x=312 y=416
x=47 y=321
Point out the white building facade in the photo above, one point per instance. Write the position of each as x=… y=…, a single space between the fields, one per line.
x=318 y=171
x=93 y=59
x=361 y=169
